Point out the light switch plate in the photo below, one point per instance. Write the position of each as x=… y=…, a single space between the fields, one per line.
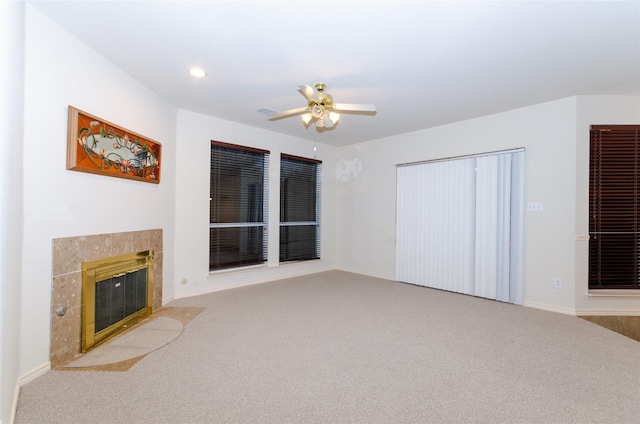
x=534 y=207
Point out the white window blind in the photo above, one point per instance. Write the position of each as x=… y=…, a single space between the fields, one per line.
x=459 y=225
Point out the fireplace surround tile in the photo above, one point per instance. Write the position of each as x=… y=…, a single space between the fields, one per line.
x=157 y=279
x=67 y=291
x=68 y=254
x=122 y=243
x=141 y=241
x=63 y=329
x=155 y=239
x=98 y=247
x=66 y=282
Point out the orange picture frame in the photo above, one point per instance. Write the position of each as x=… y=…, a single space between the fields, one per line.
x=97 y=146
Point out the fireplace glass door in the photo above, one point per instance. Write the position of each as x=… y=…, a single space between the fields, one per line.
x=120 y=296
x=116 y=293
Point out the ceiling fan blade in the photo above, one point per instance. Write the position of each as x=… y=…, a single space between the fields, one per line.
x=309 y=93
x=287 y=113
x=350 y=107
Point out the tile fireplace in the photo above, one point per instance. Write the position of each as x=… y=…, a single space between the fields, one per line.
x=69 y=254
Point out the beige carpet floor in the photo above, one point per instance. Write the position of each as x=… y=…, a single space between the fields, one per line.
x=337 y=347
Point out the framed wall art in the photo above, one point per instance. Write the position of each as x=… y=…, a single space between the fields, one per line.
x=100 y=147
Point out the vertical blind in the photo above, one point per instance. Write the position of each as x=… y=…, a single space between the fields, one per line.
x=299 y=208
x=238 y=206
x=459 y=225
x=614 y=207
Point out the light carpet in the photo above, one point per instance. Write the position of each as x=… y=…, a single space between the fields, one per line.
x=139 y=341
x=337 y=347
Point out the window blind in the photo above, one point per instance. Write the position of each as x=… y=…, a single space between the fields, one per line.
x=238 y=206
x=614 y=206
x=299 y=208
x=459 y=225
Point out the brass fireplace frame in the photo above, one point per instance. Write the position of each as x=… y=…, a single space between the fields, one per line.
x=103 y=269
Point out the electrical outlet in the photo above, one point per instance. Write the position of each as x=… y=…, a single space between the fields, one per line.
x=557 y=283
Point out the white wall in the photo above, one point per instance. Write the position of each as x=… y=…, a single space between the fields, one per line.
x=597 y=110
x=195 y=132
x=11 y=142
x=60 y=71
x=366 y=190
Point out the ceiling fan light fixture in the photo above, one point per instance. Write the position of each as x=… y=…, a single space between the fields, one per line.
x=320 y=110
x=317 y=111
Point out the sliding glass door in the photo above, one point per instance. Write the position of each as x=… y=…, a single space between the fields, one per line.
x=459 y=225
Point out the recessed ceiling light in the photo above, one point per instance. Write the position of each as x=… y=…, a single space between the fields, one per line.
x=198 y=73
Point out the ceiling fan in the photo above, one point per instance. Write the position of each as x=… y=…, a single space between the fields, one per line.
x=321 y=109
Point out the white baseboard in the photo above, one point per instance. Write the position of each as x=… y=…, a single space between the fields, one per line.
x=245 y=283
x=14 y=404
x=606 y=312
x=165 y=301
x=35 y=373
x=220 y=287
x=549 y=308
x=28 y=377
x=368 y=274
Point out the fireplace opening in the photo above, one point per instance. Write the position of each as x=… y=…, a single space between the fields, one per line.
x=116 y=293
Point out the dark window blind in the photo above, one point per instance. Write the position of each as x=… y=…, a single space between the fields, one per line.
x=299 y=208
x=238 y=206
x=614 y=206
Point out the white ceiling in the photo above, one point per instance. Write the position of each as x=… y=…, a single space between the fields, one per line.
x=422 y=63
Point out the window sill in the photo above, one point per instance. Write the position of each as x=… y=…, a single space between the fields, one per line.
x=299 y=261
x=236 y=270
x=614 y=293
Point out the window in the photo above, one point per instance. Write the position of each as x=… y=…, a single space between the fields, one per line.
x=299 y=208
x=614 y=207
x=238 y=206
